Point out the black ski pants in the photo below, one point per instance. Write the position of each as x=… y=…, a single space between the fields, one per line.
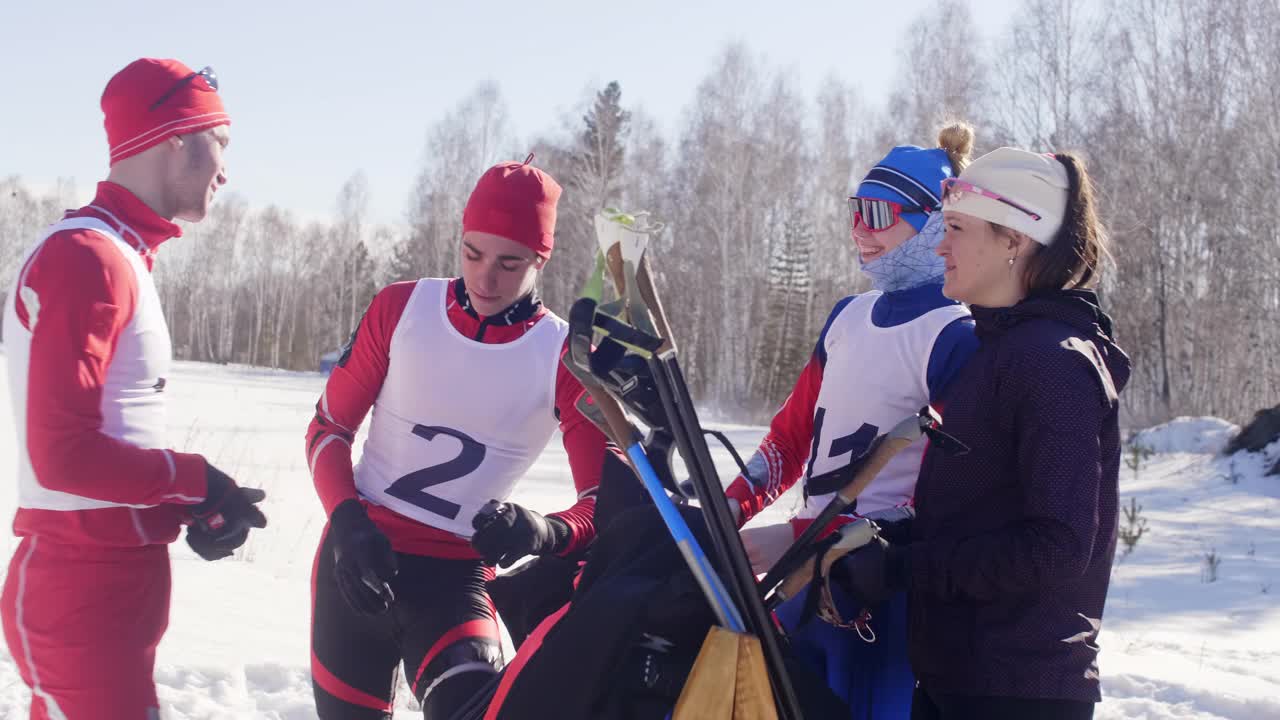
x=441 y=629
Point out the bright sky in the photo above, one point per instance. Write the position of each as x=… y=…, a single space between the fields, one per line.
x=319 y=89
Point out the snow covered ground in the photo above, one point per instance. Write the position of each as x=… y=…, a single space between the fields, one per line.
x=1175 y=644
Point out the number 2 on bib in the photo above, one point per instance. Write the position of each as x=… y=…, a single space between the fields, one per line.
x=412 y=487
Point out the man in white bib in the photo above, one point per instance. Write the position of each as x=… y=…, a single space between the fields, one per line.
x=86 y=600
x=466 y=387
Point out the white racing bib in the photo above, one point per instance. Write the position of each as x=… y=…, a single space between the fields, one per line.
x=874 y=377
x=133 y=404
x=457 y=422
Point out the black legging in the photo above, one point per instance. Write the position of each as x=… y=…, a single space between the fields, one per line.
x=441 y=630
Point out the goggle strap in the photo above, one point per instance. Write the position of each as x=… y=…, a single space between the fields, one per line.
x=955 y=186
x=205 y=73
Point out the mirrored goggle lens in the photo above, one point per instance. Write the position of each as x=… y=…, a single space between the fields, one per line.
x=875 y=214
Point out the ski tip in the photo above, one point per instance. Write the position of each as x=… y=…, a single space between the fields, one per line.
x=612 y=214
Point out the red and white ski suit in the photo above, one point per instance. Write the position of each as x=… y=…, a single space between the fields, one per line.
x=86 y=599
x=464 y=404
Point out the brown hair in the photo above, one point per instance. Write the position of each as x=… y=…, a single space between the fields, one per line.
x=1072 y=260
x=956 y=138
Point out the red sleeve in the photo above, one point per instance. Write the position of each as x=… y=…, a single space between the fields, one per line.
x=778 y=463
x=79 y=292
x=353 y=386
x=587 y=447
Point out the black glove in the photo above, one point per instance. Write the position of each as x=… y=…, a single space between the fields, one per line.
x=506 y=532
x=364 y=562
x=895 y=524
x=222 y=520
x=874 y=572
x=210 y=548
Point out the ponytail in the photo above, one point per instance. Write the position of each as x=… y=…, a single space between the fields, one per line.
x=1073 y=259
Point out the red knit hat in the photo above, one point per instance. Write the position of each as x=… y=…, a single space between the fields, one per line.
x=135 y=121
x=516 y=201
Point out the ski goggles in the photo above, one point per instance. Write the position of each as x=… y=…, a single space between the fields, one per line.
x=877 y=215
x=210 y=78
x=954 y=190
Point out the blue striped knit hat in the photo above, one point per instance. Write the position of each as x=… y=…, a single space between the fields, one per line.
x=912 y=177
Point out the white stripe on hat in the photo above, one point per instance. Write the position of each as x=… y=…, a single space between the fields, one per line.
x=909 y=179
x=189 y=124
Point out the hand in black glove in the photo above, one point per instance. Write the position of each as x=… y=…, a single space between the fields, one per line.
x=506 y=532
x=873 y=573
x=210 y=548
x=364 y=562
x=222 y=521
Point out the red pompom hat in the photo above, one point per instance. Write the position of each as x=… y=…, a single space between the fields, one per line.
x=515 y=201
x=151 y=100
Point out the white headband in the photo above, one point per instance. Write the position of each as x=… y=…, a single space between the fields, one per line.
x=1033 y=181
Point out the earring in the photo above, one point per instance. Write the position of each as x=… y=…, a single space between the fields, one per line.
x=1012 y=260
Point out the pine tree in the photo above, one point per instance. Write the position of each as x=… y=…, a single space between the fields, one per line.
x=592 y=168
x=790 y=298
x=600 y=152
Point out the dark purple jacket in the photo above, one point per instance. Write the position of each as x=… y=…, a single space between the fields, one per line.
x=1013 y=543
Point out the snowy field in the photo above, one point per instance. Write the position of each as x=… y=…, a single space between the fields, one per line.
x=1183 y=636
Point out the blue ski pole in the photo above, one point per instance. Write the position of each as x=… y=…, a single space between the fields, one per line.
x=701 y=568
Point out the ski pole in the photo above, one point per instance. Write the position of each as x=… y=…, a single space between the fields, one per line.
x=693 y=554
x=864 y=470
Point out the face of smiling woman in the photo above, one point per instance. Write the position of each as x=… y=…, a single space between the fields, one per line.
x=978 y=271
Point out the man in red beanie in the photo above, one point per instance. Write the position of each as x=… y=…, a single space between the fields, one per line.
x=466 y=385
x=86 y=599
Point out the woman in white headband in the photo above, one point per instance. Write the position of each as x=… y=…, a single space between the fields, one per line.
x=1010 y=556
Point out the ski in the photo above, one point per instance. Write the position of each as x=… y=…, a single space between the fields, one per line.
x=678 y=404
x=595 y=367
x=627 y=329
